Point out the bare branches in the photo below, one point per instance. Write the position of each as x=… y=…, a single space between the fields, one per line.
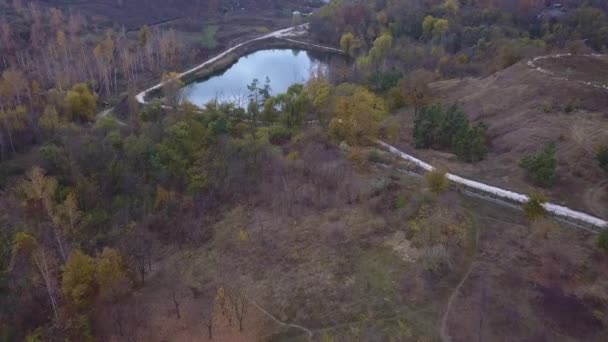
x=45 y=264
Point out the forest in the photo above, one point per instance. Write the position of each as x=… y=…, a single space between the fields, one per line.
x=114 y=213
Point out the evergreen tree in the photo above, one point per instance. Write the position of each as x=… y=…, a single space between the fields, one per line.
x=541 y=167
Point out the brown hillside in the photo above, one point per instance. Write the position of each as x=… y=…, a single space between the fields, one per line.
x=526 y=109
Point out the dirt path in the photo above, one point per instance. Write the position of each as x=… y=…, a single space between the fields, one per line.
x=443 y=328
x=281 y=323
x=106 y=112
x=532 y=64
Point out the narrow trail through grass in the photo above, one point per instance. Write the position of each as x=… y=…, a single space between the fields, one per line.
x=443 y=330
x=443 y=327
x=281 y=323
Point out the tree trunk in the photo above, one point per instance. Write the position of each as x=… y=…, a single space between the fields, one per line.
x=60 y=246
x=210 y=327
x=176 y=303
x=43 y=268
x=10 y=139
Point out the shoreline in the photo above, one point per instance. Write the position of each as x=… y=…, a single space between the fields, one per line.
x=277 y=39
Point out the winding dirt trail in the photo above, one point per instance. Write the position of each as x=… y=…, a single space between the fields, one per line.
x=443 y=328
x=532 y=64
x=281 y=323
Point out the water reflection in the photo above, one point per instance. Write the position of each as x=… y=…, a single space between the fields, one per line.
x=283 y=67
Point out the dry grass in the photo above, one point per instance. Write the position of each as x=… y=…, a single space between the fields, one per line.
x=525 y=110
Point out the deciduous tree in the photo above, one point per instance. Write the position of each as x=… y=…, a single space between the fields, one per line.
x=110 y=274
x=78 y=279
x=80 y=103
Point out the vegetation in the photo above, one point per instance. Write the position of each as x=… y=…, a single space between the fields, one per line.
x=437 y=181
x=602 y=157
x=209 y=39
x=534 y=208
x=450 y=37
x=541 y=167
x=80 y=103
x=221 y=201
x=358 y=114
x=434 y=127
x=602 y=240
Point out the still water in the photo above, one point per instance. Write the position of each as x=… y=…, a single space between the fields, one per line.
x=283 y=67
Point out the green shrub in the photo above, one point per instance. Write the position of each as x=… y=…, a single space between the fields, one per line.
x=401 y=202
x=278 y=135
x=602 y=157
x=450 y=129
x=383 y=81
x=292 y=156
x=541 y=167
x=602 y=240
x=374 y=156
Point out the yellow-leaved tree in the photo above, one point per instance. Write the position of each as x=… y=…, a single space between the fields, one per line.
x=357 y=117
x=80 y=103
x=111 y=274
x=78 y=281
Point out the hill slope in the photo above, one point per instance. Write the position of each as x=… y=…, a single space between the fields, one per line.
x=526 y=109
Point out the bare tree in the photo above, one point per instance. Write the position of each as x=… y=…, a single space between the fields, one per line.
x=175 y=297
x=208 y=313
x=45 y=264
x=239 y=304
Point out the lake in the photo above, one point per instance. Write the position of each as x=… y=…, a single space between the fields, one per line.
x=283 y=67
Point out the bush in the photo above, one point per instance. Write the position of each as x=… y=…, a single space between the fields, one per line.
x=534 y=208
x=602 y=240
x=602 y=157
x=437 y=181
x=401 y=202
x=279 y=135
x=374 y=156
x=80 y=103
x=541 y=167
x=383 y=81
x=436 y=259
